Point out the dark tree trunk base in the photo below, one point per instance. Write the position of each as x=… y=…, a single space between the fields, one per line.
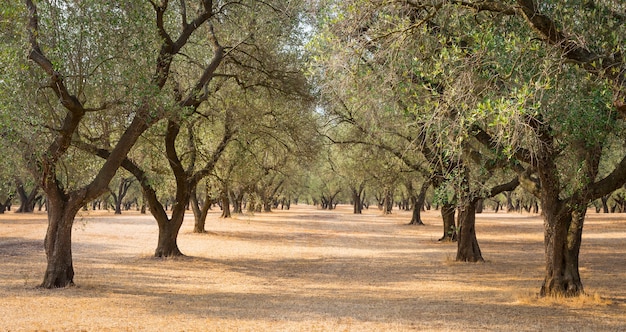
x=563 y=234
x=58 y=243
x=559 y=287
x=447 y=238
x=59 y=278
x=167 y=245
x=199 y=230
x=417 y=223
x=163 y=253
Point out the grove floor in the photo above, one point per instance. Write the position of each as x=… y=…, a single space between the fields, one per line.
x=307 y=270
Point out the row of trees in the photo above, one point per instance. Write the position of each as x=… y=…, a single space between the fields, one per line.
x=477 y=98
x=340 y=100
x=171 y=92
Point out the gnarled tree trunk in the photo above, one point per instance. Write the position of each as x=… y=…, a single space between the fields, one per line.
x=167 y=245
x=468 y=249
x=58 y=241
x=562 y=236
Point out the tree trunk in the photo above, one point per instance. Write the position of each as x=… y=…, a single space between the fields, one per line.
x=225 y=203
x=168 y=244
x=237 y=201
x=356 y=201
x=58 y=242
x=468 y=249
x=509 y=201
x=117 y=204
x=449 y=227
x=480 y=206
x=41 y=202
x=199 y=211
x=605 y=206
x=387 y=201
x=416 y=217
x=251 y=204
x=118 y=196
x=563 y=225
x=27 y=200
x=267 y=206
x=5 y=205
x=418 y=204
x=562 y=236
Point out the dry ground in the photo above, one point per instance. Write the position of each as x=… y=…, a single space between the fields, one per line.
x=307 y=270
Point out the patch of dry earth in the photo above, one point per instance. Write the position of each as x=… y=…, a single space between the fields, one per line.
x=306 y=270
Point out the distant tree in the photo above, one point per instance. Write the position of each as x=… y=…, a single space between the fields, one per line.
x=118 y=194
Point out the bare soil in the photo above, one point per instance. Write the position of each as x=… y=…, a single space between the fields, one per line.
x=307 y=270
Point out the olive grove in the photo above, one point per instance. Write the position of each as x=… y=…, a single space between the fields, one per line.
x=264 y=103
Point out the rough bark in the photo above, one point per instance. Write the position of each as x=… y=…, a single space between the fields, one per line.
x=563 y=225
x=562 y=238
x=467 y=244
x=167 y=245
x=449 y=227
x=62 y=210
x=564 y=216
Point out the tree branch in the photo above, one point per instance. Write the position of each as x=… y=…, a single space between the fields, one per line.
x=607 y=185
x=194 y=98
x=134 y=169
x=509 y=186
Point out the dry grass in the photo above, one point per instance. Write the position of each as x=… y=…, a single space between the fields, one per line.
x=582 y=301
x=307 y=270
